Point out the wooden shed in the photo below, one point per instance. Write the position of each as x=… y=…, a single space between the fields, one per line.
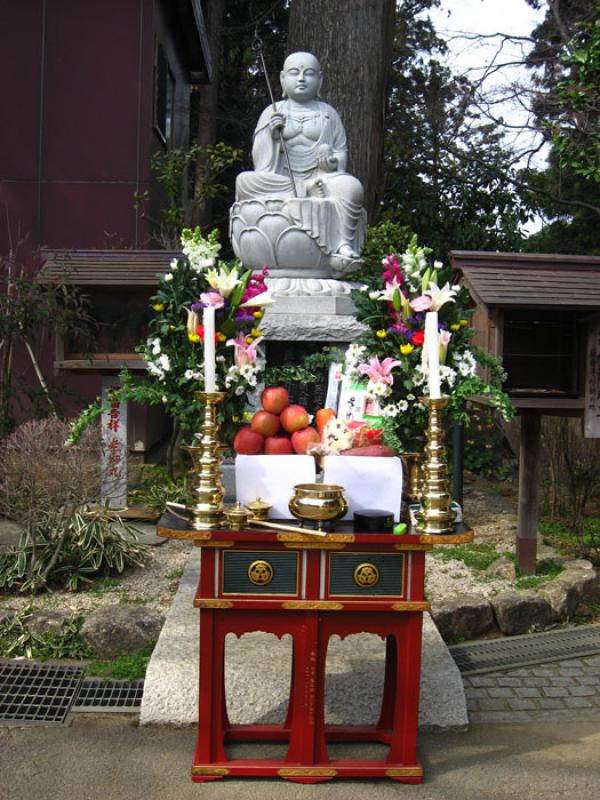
x=541 y=314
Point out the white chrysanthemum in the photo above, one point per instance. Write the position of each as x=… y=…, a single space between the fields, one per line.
x=155 y=370
x=164 y=362
x=374 y=295
x=173 y=264
x=448 y=374
x=419 y=376
x=192 y=375
x=389 y=411
x=168 y=277
x=239 y=390
x=154 y=345
x=410 y=397
x=354 y=355
x=402 y=406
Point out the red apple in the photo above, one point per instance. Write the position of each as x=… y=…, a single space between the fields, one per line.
x=266 y=423
x=294 y=418
x=278 y=446
x=274 y=399
x=301 y=439
x=248 y=442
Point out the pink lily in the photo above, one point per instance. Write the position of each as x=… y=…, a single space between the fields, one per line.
x=244 y=353
x=379 y=372
x=421 y=303
x=213 y=299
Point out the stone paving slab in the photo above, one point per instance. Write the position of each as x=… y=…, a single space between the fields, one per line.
x=559 y=690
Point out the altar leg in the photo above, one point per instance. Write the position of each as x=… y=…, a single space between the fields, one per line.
x=386 y=717
x=403 y=747
x=209 y=744
x=307 y=745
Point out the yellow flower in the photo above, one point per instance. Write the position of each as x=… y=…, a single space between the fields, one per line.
x=454 y=327
x=463 y=323
x=158 y=307
x=249 y=339
x=248 y=415
x=221 y=337
x=381 y=334
x=258 y=315
x=193 y=337
x=255 y=332
x=235 y=419
x=406 y=349
x=172 y=327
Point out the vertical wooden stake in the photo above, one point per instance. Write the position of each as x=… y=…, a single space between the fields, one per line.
x=529 y=480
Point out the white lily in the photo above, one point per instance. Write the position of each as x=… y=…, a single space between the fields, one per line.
x=262 y=299
x=224 y=282
x=440 y=297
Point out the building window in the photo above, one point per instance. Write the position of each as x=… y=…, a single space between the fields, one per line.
x=164 y=94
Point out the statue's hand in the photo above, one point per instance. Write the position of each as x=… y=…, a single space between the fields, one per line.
x=276 y=124
x=327 y=161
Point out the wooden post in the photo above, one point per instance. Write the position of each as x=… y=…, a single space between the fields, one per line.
x=529 y=480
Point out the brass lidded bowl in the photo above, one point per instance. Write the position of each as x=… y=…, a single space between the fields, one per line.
x=259 y=508
x=318 y=502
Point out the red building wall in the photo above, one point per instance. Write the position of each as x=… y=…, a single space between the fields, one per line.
x=77 y=134
x=79 y=89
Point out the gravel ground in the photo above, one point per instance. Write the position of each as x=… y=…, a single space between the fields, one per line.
x=492 y=516
x=494 y=520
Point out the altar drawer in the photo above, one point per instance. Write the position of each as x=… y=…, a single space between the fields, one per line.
x=366 y=575
x=260 y=572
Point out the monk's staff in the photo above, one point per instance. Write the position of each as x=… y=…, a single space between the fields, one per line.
x=257 y=46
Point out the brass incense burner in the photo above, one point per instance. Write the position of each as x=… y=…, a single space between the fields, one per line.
x=318 y=502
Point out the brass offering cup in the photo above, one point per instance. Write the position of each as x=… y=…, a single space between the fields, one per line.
x=318 y=502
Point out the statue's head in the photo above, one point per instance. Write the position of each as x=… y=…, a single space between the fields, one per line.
x=301 y=77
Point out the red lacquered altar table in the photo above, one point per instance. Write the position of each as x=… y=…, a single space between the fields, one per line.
x=311 y=588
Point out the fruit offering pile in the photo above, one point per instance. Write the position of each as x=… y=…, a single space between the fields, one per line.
x=279 y=428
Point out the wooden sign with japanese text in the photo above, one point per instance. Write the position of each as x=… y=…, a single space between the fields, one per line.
x=114 y=447
x=592 y=382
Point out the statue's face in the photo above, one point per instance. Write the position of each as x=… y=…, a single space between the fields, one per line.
x=301 y=77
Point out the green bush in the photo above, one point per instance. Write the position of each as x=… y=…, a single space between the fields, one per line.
x=16 y=640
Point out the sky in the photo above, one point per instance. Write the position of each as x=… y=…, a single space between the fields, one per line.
x=513 y=17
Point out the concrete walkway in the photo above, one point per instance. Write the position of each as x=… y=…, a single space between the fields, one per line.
x=99 y=758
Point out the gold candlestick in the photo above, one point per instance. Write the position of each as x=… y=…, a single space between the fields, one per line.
x=436 y=516
x=206 y=490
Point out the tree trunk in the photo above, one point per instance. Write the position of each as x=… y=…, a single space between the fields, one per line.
x=207 y=95
x=353 y=42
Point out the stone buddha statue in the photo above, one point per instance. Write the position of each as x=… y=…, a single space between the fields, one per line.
x=299 y=211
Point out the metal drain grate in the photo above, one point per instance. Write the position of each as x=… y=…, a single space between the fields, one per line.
x=36 y=693
x=535 y=648
x=99 y=695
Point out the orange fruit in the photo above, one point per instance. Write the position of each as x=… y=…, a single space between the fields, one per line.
x=322 y=417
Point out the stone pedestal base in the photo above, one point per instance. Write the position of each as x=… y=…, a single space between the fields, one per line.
x=310 y=309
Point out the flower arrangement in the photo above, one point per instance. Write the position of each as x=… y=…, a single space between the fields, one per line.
x=388 y=358
x=174 y=350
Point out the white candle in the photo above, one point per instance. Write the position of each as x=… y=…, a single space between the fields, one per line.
x=210 y=364
x=432 y=350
